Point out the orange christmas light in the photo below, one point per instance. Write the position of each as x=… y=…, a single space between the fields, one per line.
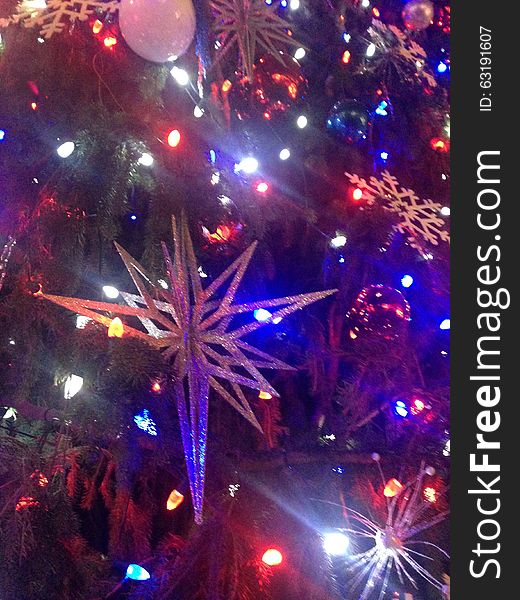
x=110 y=41
x=265 y=396
x=175 y=499
x=226 y=86
x=430 y=494
x=97 y=26
x=26 y=502
x=40 y=478
x=116 y=328
x=174 y=138
x=156 y=387
x=346 y=57
x=392 y=488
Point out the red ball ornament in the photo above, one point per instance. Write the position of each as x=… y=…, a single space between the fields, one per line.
x=379 y=310
x=276 y=88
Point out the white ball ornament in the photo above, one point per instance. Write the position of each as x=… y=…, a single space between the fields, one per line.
x=157 y=30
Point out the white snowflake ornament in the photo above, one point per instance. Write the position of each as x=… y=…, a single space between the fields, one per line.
x=420 y=220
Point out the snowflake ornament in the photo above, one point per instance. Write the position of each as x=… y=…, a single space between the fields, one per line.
x=249 y=25
x=396 y=53
x=420 y=220
x=51 y=16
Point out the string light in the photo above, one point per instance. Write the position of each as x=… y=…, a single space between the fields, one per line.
x=338 y=241
x=371 y=50
x=381 y=108
x=294 y=4
x=300 y=53
x=365 y=3
x=137 y=573
x=110 y=292
x=285 y=153
x=156 y=387
x=110 y=41
x=247 y=165
x=445 y=211
x=407 y=281
x=384 y=155
x=442 y=67
x=97 y=26
x=445 y=325
x=116 y=328
x=265 y=395
x=175 y=499
x=174 y=138
x=82 y=321
x=430 y=494
x=180 y=75
x=198 y=112
x=335 y=543
x=65 y=149
x=226 y=86
x=302 y=122
x=262 y=187
x=357 y=194
x=73 y=385
x=392 y=488
x=272 y=557
x=262 y=315
x=347 y=37
x=2 y=135
x=401 y=409
x=346 y=57
x=145 y=159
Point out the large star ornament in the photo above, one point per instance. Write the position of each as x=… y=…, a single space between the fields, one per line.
x=195 y=330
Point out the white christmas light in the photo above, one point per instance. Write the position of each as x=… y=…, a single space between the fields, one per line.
x=339 y=241
x=73 y=384
x=146 y=159
x=10 y=413
x=65 y=149
x=247 y=165
x=285 y=154
x=110 y=291
x=371 y=50
x=300 y=53
x=294 y=4
x=180 y=76
x=365 y=3
x=162 y=283
x=335 y=543
x=302 y=122
x=198 y=112
x=201 y=273
x=445 y=211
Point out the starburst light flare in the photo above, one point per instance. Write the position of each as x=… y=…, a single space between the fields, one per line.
x=394 y=542
x=194 y=329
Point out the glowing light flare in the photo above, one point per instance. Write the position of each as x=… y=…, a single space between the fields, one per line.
x=116 y=328
x=174 y=138
x=336 y=543
x=392 y=488
x=175 y=499
x=137 y=573
x=272 y=557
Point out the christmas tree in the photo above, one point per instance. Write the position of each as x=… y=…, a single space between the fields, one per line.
x=224 y=299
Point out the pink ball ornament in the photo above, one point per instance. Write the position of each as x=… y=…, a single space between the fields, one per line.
x=418 y=14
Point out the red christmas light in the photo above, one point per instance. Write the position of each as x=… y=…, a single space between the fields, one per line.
x=272 y=557
x=392 y=488
x=26 y=502
x=357 y=194
x=110 y=41
x=40 y=478
x=174 y=138
x=440 y=145
x=262 y=187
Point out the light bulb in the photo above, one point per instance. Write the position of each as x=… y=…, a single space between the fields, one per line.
x=247 y=165
x=335 y=543
x=302 y=122
x=73 y=385
x=180 y=75
x=65 y=149
x=339 y=241
x=146 y=159
x=110 y=291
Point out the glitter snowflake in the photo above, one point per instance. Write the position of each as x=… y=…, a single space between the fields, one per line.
x=396 y=53
x=249 y=25
x=51 y=16
x=420 y=220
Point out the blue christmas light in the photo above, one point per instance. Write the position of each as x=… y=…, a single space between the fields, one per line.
x=268 y=2
x=283 y=3
x=262 y=315
x=133 y=217
x=383 y=155
x=407 y=281
x=445 y=324
x=442 y=67
x=401 y=409
x=346 y=37
x=145 y=422
x=2 y=135
x=381 y=109
x=212 y=156
x=137 y=573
